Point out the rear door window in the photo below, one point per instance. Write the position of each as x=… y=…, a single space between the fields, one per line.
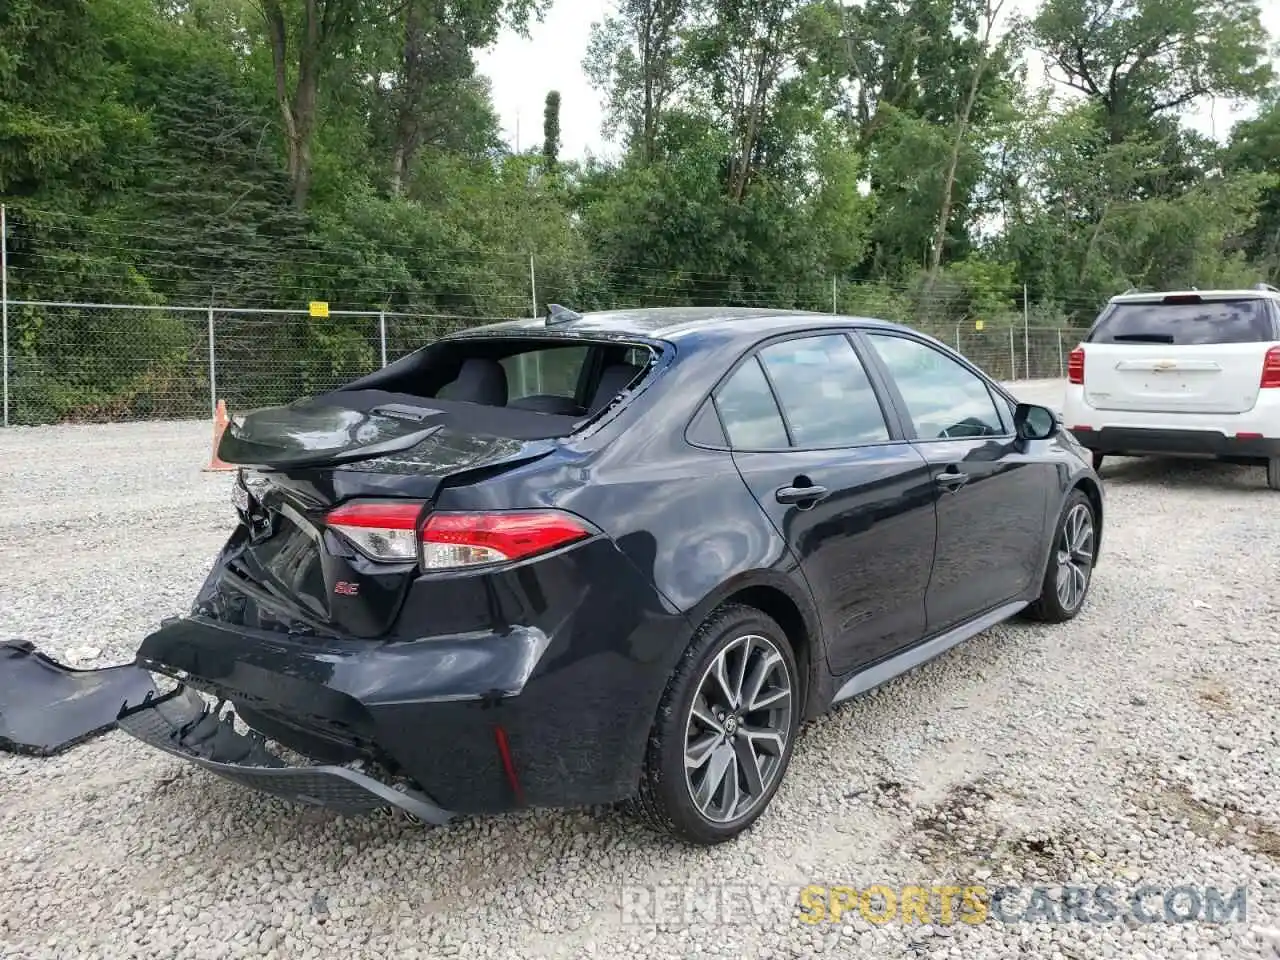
x=825 y=393
x=1185 y=321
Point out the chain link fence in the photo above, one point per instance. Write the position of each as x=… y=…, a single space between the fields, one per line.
x=86 y=362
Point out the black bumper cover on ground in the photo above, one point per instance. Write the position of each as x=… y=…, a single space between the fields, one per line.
x=1137 y=441
x=181 y=723
x=47 y=707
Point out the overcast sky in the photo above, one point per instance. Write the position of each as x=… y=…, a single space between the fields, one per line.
x=523 y=70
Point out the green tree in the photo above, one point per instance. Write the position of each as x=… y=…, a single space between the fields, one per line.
x=551 y=131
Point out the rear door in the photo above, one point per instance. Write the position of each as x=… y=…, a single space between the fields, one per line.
x=1181 y=353
x=854 y=502
x=991 y=498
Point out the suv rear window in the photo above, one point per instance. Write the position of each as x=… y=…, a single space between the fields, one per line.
x=1186 y=320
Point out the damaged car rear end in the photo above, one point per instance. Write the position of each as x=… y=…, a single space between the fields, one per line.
x=417 y=599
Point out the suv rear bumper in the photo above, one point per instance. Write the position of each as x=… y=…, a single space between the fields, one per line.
x=1154 y=441
x=1252 y=437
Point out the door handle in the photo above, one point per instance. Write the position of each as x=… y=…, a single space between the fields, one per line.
x=799 y=494
x=952 y=479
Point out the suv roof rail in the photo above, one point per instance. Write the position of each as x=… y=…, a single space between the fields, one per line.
x=1265 y=286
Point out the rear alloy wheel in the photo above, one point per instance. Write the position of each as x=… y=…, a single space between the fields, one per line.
x=725 y=729
x=1273 y=473
x=1070 y=570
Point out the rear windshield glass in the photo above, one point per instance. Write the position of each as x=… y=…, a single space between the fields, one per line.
x=510 y=386
x=1183 y=322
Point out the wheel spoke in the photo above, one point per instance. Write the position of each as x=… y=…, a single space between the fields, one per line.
x=749 y=761
x=722 y=759
x=702 y=713
x=721 y=671
x=741 y=678
x=769 y=699
x=771 y=740
x=764 y=665
x=1080 y=581
x=732 y=790
x=697 y=753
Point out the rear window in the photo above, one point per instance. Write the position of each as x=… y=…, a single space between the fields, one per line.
x=1186 y=321
x=510 y=386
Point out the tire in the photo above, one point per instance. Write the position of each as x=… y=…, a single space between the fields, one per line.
x=1273 y=473
x=1055 y=605
x=1097 y=461
x=666 y=797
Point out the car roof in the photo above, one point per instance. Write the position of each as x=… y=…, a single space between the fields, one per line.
x=1157 y=296
x=679 y=323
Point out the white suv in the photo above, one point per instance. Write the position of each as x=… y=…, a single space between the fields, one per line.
x=1192 y=373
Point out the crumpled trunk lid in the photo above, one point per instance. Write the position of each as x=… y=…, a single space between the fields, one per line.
x=283 y=568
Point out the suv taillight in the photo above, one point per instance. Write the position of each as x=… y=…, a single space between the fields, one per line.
x=1075 y=366
x=389 y=531
x=1271 y=369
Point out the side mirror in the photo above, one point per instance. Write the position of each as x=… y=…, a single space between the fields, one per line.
x=1034 y=422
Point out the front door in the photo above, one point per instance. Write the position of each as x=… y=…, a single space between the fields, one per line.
x=991 y=498
x=853 y=501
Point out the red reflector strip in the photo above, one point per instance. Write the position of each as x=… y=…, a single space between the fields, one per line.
x=508 y=765
x=1079 y=427
x=1248 y=436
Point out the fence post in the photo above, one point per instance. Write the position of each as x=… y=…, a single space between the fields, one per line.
x=533 y=285
x=1062 y=369
x=382 y=334
x=834 y=301
x=213 y=371
x=1013 y=357
x=958 y=350
x=1026 y=331
x=4 y=305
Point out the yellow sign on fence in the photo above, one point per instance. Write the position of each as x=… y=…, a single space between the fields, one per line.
x=320 y=308
x=977 y=324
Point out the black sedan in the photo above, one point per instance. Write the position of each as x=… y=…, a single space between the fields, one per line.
x=621 y=556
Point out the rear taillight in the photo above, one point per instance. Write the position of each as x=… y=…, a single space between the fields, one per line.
x=1075 y=366
x=452 y=540
x=389 y=531
x=1271 y=369
x=381 y=530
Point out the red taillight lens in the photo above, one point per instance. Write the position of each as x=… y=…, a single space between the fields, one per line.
x=380 y=529
x=387 y=530
x=1075 y=366
x=1271 y=369
x=452 y=540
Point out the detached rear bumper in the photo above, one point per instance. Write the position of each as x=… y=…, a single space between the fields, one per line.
x=181 y=723
x=480 y=722
x=1148 y=441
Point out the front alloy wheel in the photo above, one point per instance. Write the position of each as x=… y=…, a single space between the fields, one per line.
x=1075 y=556
x=725 y=729
x=1071 y=560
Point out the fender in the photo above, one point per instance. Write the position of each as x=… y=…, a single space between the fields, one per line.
x=1083 y=479
x=813 y=659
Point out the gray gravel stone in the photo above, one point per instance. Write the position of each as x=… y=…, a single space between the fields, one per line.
x=1136 y=745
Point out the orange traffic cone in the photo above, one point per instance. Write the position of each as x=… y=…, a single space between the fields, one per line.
x=219 y=427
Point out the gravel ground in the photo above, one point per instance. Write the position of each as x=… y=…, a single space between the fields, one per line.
x=1138 y=745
